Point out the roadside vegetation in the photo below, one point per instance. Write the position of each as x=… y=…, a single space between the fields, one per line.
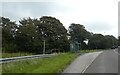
x=87 y=51
x=33 y=36
x=9 y=55
x=53 y=64
x=30 y=35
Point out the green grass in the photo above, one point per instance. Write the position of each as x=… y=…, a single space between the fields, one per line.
x=8 y=55
x=53 y=64
x=87 y=51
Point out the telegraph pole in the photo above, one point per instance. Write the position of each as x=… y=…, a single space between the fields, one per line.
x=44 y=47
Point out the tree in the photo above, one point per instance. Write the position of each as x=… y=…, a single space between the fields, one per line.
x=119 y=40
x=32 y=32
x=110 y=41
x=0 y=37
x=54 y=33
x=27 y=36
x=79 y=33
x=8 y=34
x=95 y=41
x=98 y=41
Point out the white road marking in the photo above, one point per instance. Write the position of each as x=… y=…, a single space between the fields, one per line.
x=90 y=63
x=116 y=52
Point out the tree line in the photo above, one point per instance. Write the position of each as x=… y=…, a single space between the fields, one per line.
x=29 y=35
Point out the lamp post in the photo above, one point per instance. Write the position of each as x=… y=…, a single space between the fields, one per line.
x=43 y=36
x=70 y=42
x=44 y=47
x=69 y=37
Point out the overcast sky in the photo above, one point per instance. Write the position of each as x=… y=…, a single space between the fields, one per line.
x=98 y=16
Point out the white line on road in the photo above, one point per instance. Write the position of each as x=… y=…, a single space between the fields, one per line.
x=91 y=63
x=81 y=63
x=116 y=52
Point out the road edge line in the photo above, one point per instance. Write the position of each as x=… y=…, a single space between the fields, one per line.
x=116 y=52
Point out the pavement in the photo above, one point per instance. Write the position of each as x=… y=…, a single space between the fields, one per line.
x=80 y=64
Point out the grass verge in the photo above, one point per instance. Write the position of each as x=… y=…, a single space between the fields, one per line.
x=9 y=55
x=53 y=64
x=87 y=51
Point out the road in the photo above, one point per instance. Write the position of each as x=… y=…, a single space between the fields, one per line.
x=99 y=62
x=107 y=62
x=80 y=63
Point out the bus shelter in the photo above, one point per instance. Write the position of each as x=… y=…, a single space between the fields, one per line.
x=74 y=46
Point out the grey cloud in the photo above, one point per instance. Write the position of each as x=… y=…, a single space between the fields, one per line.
x=17 y=10
x=98 y=26
x=36 y=9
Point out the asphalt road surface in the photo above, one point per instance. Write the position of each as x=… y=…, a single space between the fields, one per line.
x=107 y=62
x=102 y=62
x=80 y=64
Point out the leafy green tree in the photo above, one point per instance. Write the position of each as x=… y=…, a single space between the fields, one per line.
x=0 y=37
x=98 y=41
x=110 y=41
x=54 y=33
x=114 y=40
x=32 y=32
x=119 y=40
x=27 y=36
x=8 y=34
x=79 y=33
